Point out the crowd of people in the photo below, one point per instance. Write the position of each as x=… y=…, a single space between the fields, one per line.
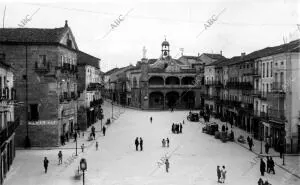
x=176 y=128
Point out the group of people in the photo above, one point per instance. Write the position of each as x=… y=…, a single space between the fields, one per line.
x=221 y=173
x=138 y=142
x=270 y=166
x=165 y=142
x=250 y=143
x=176 y=128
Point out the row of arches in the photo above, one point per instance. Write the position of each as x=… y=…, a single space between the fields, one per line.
x=171 y=99
x=171 y=80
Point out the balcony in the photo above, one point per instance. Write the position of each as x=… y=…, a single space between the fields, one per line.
x=256 y=93
x=278 y=87
x=264 y=116
x=7 y=132
x=94 y=87
x=42 y=68
x=277 y=114
x=95 y=103
x=253 y=72
x=216 y=83
x=239 y=85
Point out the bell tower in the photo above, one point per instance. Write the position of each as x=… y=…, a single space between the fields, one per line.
x=165 y=49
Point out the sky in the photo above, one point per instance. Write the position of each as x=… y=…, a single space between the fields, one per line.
x=117 y=31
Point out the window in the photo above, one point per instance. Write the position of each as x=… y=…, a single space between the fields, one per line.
x=271 y=69
x=247 y=66
x=267 y=88
x=251 y=65
x=33 y=112
x=276 y=64
x=263 y=69
x=282 y=63
x=42 y=61
x=268 y=69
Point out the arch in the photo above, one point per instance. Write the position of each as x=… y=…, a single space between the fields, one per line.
x=187 y=80
x=172 y=80
x=172 y=98
x=156 y=99
x=188 y=99
x=156 y=80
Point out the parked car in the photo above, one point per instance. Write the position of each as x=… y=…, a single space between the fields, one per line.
x=211 y=128
x=193 y=117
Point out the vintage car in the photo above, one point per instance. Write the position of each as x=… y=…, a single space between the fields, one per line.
x=211 y=128
x=193 y=117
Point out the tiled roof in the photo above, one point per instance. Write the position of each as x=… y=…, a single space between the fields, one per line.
x=112 y=71
x=214 y=56
x=191 y=57
x=32 y=35
x=217 y=62
x=86 y=59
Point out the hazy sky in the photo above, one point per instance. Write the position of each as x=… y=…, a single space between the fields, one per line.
x=243 y=25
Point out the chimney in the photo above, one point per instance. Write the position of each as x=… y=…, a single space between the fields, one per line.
x=66 y=23
x=243 y=54
x=221 y=53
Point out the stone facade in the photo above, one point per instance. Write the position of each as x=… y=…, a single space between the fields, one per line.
x=46 y=82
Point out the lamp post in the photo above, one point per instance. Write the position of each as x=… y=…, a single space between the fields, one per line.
x=83 y=167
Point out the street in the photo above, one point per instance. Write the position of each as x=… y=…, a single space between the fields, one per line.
x=193 y=156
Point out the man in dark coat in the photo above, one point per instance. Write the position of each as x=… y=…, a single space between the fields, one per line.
x=218 y=173
x=180 y=128
x=262 y=167
x=268 y=164
x=141 y=144
x=271 y=166
x=104 y=130
x=173 y=128
x=46 y=162
x=136 y=142
x=267 y=148
x=250 y=143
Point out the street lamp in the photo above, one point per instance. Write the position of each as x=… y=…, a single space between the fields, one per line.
x=83 y=167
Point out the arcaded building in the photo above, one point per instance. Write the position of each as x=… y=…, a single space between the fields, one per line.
x=165 y=82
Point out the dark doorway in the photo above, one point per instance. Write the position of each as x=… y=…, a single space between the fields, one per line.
x=156 y=100
x=172 y=99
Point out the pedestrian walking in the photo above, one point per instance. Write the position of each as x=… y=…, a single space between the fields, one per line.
x=223 y=174
x=219 y=174
x=163 y=143
x=46 y=162
x=180 y=128
x=250 y=144
x=60 y=157
x=268 y=164
x=168 y=142
x=167 y=165
x=173 y=128
x=183 y=122
x=262 y=167
x=141 y=144
x=94 y=132
x=75 y=136
x=82 y=147
x=136 y=142
x=103 y=130
x=272 y=165
x=267 y=148
x=150 y=119
x=97 y=145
